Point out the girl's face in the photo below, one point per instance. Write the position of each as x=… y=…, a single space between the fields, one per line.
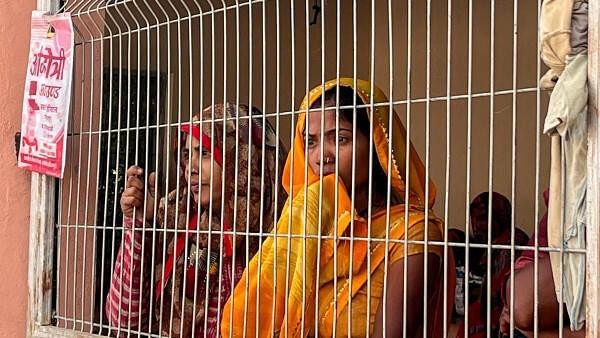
x=197 y=173
x=344 y=138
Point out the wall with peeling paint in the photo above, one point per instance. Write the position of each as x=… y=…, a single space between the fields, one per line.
x=15 y=183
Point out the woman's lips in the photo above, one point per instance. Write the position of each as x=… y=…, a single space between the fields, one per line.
x=195 y=187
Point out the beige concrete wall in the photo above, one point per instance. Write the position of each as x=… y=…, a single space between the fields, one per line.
x=15 y=19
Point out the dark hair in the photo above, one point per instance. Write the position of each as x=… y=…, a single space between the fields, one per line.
x=501 y=213
x=347 y=95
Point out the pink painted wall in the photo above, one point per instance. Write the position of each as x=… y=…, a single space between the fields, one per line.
x=15 y=183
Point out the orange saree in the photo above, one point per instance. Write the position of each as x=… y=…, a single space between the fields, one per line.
x=321 y=261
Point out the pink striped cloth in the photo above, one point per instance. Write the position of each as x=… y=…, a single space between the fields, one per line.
x=127 y=311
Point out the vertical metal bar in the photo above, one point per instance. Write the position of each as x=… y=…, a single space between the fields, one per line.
x=154 y=229
x=87 y=186
x=468 y=164
x=592 y=268
x=448 y=158
x=236 y=166
x=66 y=226
x=212 y=134
x=407 y=166
x=178 y=155
x=108 y=171
x=168 y=136
x=222 y=188
x=354 y=77
x=536 y=227
x=306 y=169
x=306 y=163
x=427 y=172
x=127 y=144
x=562 y=242
x=97 y=180
x=389 y=164
x=224 y=131
x=144 y=236
x=136 y=161
x=277 y=111
x=78 y=196
x=488 y=278
x=179 y=145
x=370 y=161
x=513 y=160
x=212 y=169
x=249 y=171
x=292 y=97
x=353 y=164
x=116 y=170
x=59 y=229
x=336 y=193
x=200 y=190
x=306 y=94
x=262 y=177
x=189 y=159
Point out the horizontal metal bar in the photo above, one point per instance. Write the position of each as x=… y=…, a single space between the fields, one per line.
x=165 y=23
x=101 y=326
x=308 y=236
x=294 y=112
x=43 y=331
x=123 y=2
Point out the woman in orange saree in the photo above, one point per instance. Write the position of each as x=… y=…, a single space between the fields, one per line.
x=322 y=271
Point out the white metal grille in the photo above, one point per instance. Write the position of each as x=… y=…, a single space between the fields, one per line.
x=461 y=74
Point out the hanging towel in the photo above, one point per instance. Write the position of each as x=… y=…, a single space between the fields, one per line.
x=566 y=122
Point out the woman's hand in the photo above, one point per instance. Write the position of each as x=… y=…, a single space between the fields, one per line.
x=134 y=194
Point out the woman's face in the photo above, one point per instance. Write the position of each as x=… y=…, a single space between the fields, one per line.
x=197 y=173
x=328 y=142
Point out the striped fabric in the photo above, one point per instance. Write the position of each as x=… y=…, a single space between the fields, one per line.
x=123 y=307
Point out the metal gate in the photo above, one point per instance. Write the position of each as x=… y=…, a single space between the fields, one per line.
x=462 y=77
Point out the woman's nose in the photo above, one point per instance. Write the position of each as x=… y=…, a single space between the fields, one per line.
x=195 y=165
x=191 y=164
x=327 y=158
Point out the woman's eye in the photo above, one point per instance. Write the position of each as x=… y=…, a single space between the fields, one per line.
x=185 y=154
x=343 y=139
x=205 y=153
x=310 y=142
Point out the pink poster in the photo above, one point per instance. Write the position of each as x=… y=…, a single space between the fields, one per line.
x=47 y=94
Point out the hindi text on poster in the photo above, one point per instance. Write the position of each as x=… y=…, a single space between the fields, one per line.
x=47 y=96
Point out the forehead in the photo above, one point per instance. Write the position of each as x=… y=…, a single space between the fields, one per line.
x=326 y=121
x=191 y=142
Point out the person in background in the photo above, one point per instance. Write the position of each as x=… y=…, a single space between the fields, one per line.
x=456 y=236
x=524 y=298
x=308 y=283
x=477 y=275
x=194 y=271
